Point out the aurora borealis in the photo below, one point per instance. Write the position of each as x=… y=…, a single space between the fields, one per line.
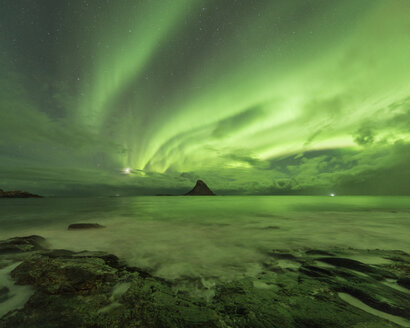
x=256 y=97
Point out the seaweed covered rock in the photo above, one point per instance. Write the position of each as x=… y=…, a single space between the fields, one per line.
x=63 y=275
x=96 y=289
x=22 y=244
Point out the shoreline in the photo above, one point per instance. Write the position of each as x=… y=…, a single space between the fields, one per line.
x=295 y=289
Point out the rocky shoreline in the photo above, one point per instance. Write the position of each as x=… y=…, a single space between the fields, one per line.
x=299 y=288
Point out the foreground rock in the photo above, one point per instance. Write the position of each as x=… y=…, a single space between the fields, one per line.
x=17 y=194
x=22 y=244
x=95 y=289
x=84 y=226
x=304 y=289
x=200 y=189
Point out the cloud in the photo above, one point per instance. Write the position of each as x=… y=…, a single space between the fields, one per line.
x=364 y=136
x=237 y=122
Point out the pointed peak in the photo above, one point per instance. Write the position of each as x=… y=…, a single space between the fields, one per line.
x=200 y=189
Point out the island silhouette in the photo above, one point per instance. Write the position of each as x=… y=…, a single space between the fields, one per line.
x=200 y=189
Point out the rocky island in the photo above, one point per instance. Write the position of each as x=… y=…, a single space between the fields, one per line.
x=17 y=194
x=200 y=189
x=84 y=226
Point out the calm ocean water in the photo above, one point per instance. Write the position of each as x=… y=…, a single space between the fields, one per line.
x=224 y=237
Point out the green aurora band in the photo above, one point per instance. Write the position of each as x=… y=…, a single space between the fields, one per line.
x=264 y=97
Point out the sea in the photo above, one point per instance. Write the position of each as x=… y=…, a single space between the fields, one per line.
x=210 y=238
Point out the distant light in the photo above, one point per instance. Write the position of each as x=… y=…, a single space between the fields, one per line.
x=127 y=170
x=332 y=195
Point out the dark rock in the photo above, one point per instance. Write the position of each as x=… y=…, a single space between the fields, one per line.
x=3 y=293
x=395 y=304
x=200 y=189
x=63 y=253
x=281 y=255
x=377 y=273
x=75 y=289
x=348 y=263
x=96 y=289
x=271 y=228
x=3 y=290
x=318 y=252
x=405 y=282
x=62 y=275
x=22 y=244
x=80 y=226
x=17 y=194
x=315 y=271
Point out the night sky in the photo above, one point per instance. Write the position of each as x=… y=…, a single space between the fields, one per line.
x=253 y=97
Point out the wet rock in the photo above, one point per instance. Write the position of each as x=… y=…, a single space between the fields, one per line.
x=22 y=244
x=282 y=255
x=54 y=276
x=62 y=253
x=96 y=289
x=314 y=271
x=377 y=273
x=271 y=228
x=379 y=298
x=318 y=252
x=3 y=293
x=405 y=282
x=109 y=259
x=83 y=226
x=347 y=263
x=3 y=290
x=80 y=289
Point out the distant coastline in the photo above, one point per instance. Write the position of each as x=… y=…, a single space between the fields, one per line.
x=17 y=194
